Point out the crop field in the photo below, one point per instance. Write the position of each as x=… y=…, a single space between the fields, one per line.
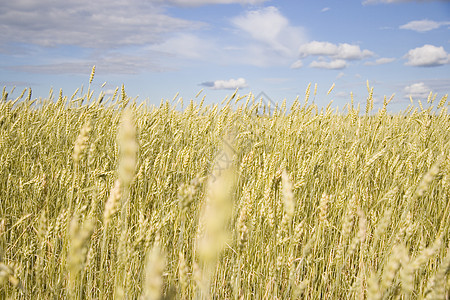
x=105 y=198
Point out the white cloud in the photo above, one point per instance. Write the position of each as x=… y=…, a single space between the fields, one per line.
x=334 y=64
x=230 y=84
x=417 y=90
x=398 y=1
x=185 y=45
x=340 y=75
x=139 y=35
x=297 y=64
x=325 y=9
x=108 y=63
x=205 y=2
x=341 y=51
x=380 y=61
x=318 y=48
x=90 y=24
x=350 y=52
x=269 y=27
x=423 y=25
x=116 y=36
x=427 y=56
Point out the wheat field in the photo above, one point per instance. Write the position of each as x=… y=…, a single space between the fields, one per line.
x=102 y=198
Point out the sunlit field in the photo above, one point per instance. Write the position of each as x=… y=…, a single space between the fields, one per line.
x=105 y=198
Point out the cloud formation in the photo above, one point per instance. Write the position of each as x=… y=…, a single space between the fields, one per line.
x=141 y=30
x=338 y=54
x=90 y=24
x=397 y=1
x=417 y=90
x=108 y=63
x=206 y=2
x=230 y=84
x=297 y=64
x=427 y=56
x=380 y=61
x=340 y=51
x=423 y=25
x=333 y=65
x=185 y=45
x=270 y=28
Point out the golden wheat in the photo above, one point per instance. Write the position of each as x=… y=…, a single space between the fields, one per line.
x=240 y=200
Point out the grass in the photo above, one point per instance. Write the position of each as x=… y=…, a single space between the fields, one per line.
x=103 y=198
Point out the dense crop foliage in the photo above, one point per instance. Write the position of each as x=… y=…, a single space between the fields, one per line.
x=102 y=198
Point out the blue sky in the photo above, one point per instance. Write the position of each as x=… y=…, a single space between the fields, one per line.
x=158 y=48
